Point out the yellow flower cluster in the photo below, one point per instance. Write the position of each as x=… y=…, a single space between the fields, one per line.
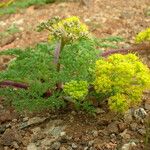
x=77 y=90
x=143 y=36
x=68 y=29
x=123 y=78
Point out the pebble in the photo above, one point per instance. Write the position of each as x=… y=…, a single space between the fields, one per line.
x=128 y=146
x=95 y=133
x=74 y=146
x=100 y=111
x=147 y=106
x=55 y=145
x=142 y=131
x=133 y=126
x=140 y=113
x=125 y=135
x=31 y=146
x=128 y=116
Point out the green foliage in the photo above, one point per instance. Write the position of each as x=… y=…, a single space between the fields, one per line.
x=109 y=42
x=9 y=8
x=121 y=78
x=35 y=67
x=143 y=36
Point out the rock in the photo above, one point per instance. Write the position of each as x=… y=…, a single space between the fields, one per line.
x=55 y=145
x=32 y=146
x=95 y=133
x=15 y=145
x=113 y=136
x=63 y=134
x=2 y=129
x=100 y=111
x=32 y=121
x=125 y=135
x=36 y=130
x=86 y=148
x=140 y=113
x=134 y=126
x=73 y=113
x=62 y=148
x=128 y=146
x=36 y=120
x=5 y=116
x=56 y=131
x=113 y=127
x=90 y=143
x=74 y=146
x=10 y=136
x=147 y=105
x=47 y=142
x=122 y=126
x=142 y=131
x=128 y=116
x=25 y=119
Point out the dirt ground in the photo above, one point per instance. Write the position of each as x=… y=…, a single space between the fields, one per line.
x=68 y=129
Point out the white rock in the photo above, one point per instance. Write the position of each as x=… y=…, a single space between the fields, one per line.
x=140 y=113
x=31 y=146
x=128 y=146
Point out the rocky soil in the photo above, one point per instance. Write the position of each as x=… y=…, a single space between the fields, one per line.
x=69 y=129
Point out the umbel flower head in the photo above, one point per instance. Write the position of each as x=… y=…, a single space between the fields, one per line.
x=122 y=78
x=68 y=29
x=143 y=36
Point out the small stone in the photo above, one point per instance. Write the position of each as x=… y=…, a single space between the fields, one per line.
x=122 y=126
x=56 y=145
x=100 y=111
x=14 y=120
x=62 y=148
x=5 y=116
x=142 y=131
x=128 y=146
x=74 y=146
x=73 y=113
x=25 y=119
x=147 y=106
x=113 y=127
x=133 y=126
x=140 y=113
x=31 y=146
x=95 y=133
x=90 y=143
x=113 y=136
x=36 y=130
x=10 y=136
x=15 y=145
x=2 y=129
x=47 y=142
x=36 y=120
x=128 y=116
x=125 y=135
x=86 y=148
x=8 y=125
x=63 y=134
